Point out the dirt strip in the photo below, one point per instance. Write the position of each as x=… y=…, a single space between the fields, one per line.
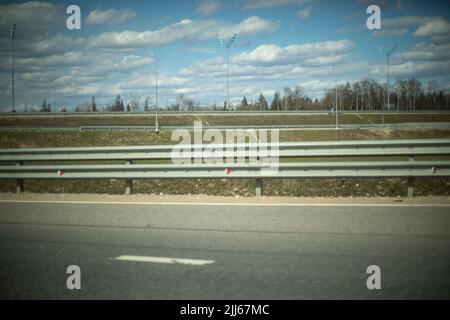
x=205 y=199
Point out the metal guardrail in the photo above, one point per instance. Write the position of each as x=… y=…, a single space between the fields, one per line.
x=406 y=125
x=230 y=169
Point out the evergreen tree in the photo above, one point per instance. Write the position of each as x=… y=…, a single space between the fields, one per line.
x=93 y=105
x=262 y=103
x=116 y=105
x=276 y=102
x=244 y=102
x=44 y=106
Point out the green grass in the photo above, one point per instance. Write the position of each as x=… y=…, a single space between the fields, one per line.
x=86 y=139
x=188 y=120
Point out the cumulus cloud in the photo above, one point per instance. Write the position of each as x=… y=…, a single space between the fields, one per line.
x=431 y=52
x=406 y=21
x=390 y=32
x=398 y=23
x=32 y=18
x=433 y=28
x=109 y=16
x=50 y=46
x=185 y=31
x=422 y=60
x=270 y=67
x=209 y=76
x=319 y=52
x=304 y=13
x=259 y=4
x=420 y=69
x=208 y=7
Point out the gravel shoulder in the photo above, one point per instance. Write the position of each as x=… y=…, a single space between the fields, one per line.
x=206 y=199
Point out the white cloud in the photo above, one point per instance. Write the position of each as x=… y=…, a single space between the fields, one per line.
x=49 y=46
x=139 y=81
x=419 y=69
x=134 y=61
x=401 y=5
x=433 y=28
x=430 y=52
x=441 y=39
x=395 y=23
x=32 y=18
x=421 y=61
x=201 y=49
x=258 y=4
x=304 y=13
x=208 y=7
x=405 y=21
x=270 y=67
x=109 y=16
x=316 y=52
x=184 y=31
x=390 y=32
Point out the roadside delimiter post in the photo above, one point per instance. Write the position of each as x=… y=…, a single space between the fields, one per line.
x=129 y=182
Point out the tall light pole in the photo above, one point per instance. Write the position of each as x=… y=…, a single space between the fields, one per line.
x=388 y=54
x=336 y=104
x=12 y=34
x=156 y=93
x=228 y=44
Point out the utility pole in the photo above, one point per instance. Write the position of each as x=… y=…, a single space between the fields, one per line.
x=388 y=54
x=228 y=81
x=156 y=98
x=156 y=94
x=228 y=44
x=12 y=34
x=336 y=106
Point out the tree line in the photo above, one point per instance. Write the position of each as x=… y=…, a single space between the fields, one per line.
x=367 y=94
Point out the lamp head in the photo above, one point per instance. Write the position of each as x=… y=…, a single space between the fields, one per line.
x=13 y=31
x=229 y=42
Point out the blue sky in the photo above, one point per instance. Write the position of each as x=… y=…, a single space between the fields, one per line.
x=280 y=43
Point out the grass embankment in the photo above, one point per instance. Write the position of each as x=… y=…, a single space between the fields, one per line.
x=220 y=120
x=228 y=187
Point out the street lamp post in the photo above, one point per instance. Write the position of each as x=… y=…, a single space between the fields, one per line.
x=228 y=44
x=12 y=34
x=156 y=94
x=336 y=104
x=388 y=54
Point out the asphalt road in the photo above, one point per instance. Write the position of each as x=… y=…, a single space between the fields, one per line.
x=234 y=251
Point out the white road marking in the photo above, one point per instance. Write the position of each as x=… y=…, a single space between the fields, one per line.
x=194 y=262
x=238 y=204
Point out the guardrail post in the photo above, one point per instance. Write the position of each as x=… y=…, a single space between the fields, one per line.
x=410 y=187
x=258 y=189
x=129 y=182
x=19 y=182
x=410 y=182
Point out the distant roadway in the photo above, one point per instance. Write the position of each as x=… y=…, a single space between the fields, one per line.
x=213 y=113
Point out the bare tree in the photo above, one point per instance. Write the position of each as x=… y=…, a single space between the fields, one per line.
x=135 y=102
x=184 y=103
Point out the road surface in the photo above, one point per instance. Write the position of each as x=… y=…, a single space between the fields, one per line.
x=223 y=250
